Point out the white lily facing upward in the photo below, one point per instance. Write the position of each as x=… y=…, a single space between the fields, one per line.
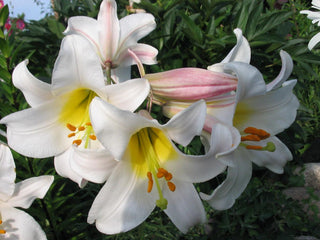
x=315 y=17
x=151 y=170
x=16 y=224
x=112 y=38
x=58 y=119
x=260 y=112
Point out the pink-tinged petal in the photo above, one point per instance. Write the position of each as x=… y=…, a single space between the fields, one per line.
x=87 y=27
x=35 y=91
x=111 y=126
x=241 y=52
x=286 y=69
x=273 y=112
x=250 y=80
x=37 y=132
x=314 y=41
x=184 y=208
x=7 y=173
x=63 y=167
x=238 y=177
x=74 y=71
x=190 y=84
x=93 y=165
x=123 y=203
x=185 y=125
x=20 y=225
x=109 y=26
x=128 y=95
x=133 y=28
x=28 y=190
x=274 y=161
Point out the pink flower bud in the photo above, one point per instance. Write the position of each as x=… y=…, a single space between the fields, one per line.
x=190 y=84
x=1 y=4
x=20 y=24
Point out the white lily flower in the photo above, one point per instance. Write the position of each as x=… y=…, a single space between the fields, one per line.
x=151 y=171
x=16 y=224
x=59 y=115
x=260 y=112
x=112 y=38
x=315 y=17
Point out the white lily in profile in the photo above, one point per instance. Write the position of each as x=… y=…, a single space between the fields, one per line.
x=260 y=112
x=14 y=223
x=112 y=38
x=151 y=171
x=58 y=120
x=315 y=17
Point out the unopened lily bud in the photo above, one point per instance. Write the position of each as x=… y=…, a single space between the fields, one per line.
x=188 y=84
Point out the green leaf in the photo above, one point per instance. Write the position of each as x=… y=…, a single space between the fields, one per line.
x=3 y=62
x=56 y=27
x=4 y=13
x=5 y=48
x=5 y=75
x=191 y=29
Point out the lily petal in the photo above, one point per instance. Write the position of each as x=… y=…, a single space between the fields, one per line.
x=73 y=71
x=35 y=91
x=184 y=208
x=238 y=177
x=63 y=168
x=286 y=69
x=37 y=132
x=93 y=165
x=123 y=203
x=7 y=173
x=186 y=124
x=314 y=41
x=20 y=225
x=28 y=190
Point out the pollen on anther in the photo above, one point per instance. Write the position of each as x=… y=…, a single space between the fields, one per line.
x=171 y=186
x=250 y=137
x=150 y=185
x=71 y=127
x=2 y=231
x=161 y=172
x=253 y=147
x=81 y=128
x=77 y=142
x=88 y=124
x=259 y=132
x=93 y=137
x=0 y=221
x=71 y=135
x=149 y=175
x=168 y=176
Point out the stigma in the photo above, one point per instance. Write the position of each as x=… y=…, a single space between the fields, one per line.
x=81 y=134
x=256 y=135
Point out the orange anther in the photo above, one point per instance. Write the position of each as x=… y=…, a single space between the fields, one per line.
x=160 y=174
x=150 y=185
x=2 y=231
x=88 y=124
x=149 y=175
x=259 y=132
x=77 y=142
x=250 y=137
x=0 y=221
x=93 y=137
x=171 y=186
x=168 y=176
x=253 y=147
x=71 y=135
x=71 y=127
x=81 y=128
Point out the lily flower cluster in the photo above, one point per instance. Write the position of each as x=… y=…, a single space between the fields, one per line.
x=91 y=121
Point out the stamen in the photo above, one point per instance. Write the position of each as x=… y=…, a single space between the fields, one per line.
x=253 y=147
x=81 y=128
x=171 y=186
x=93 y=137
x=77 y=142
x=0 y=221
x=161 y=172
x=71 y=127
x=88 y=124
x=259 y=132
x=150 y=183
x=2 y=231
x=71 y=135
x=251 y=137
x=168 y=176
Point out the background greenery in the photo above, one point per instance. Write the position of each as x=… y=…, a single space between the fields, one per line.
x=193 y=33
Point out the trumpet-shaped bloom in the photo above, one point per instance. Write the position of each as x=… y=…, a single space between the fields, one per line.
x=260 y=112
x=151 y=170
x=14 y=223
x=315 y=17
x=187 y=84
x=59 y=115
x=112 y=38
